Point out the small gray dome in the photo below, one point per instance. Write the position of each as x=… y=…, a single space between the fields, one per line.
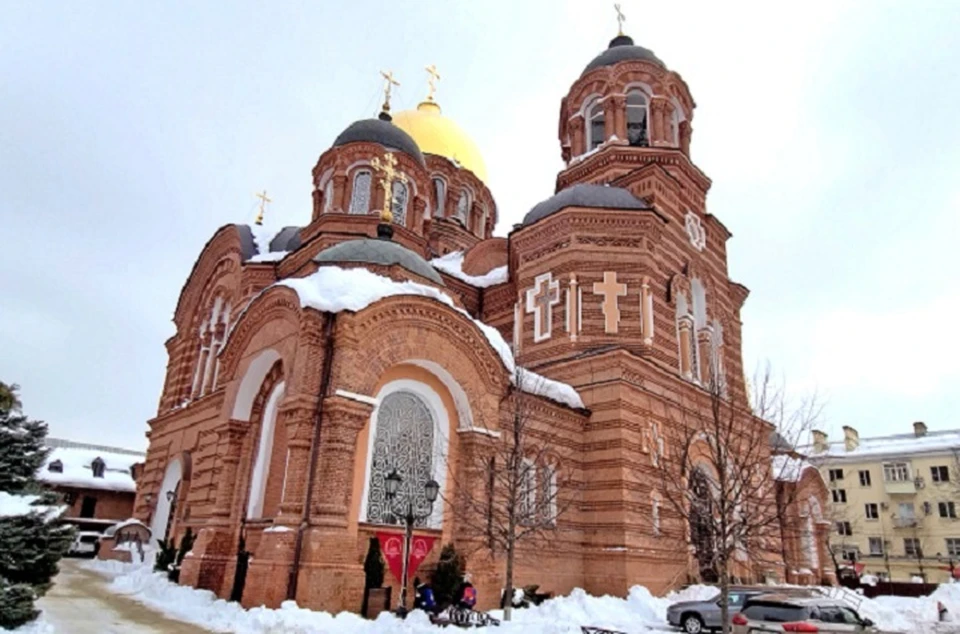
x=383 y=252
x=382 y=132
x=622 y=49
x=585 y=195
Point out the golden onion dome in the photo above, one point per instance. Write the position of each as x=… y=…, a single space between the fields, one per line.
x=436 y=134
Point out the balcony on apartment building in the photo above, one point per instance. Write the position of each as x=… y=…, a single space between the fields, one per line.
x=905 y=521
x=902 y=487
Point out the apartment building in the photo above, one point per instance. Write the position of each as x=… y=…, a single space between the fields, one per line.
x=893 y=501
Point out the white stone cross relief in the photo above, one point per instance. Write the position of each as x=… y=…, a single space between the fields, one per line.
x=541 y=299
x=612 y=291
x=695 y=231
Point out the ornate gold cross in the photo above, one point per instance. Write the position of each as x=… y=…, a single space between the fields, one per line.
x=388 y=84
x=432 y=80
x=388 y=168
x=263 y=202
x=620 y=18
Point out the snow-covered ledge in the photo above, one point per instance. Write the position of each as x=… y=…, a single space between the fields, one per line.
x=333 y=289
x=452 y=265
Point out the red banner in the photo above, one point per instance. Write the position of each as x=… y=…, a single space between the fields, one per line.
x=391 y=545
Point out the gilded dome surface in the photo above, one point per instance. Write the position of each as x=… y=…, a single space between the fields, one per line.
x=437 y=134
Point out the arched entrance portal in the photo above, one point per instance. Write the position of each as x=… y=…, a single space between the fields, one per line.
x=166 y=504
x=701 y=525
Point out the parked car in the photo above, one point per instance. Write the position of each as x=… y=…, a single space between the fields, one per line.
x=776 y=613
x=86 y=543
x=694 y=617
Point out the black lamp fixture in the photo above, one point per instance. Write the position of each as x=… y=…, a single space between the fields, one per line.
x=148 y=498
x=431 y=490
x=170 y=495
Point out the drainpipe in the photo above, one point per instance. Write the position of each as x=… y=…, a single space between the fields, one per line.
x=314 y=453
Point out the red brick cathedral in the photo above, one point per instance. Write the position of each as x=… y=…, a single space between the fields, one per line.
x=309 y=362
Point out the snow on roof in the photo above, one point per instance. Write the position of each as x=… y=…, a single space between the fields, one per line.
x=11 y=505
x=789 y=469
x=334 y=289
x=452 y=264
x=895 y=445
x=77 y=460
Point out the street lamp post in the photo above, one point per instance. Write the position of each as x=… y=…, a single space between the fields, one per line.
x=431 y=490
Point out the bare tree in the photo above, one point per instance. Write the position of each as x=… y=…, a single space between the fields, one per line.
x=718 y=479
x=527 y=484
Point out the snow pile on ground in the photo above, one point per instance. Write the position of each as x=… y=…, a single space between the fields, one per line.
x=639 y=613
x=78 y=470
x=452 y=264
x=36 y=627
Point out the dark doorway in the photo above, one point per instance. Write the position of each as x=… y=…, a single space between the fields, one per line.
x=88 y=507
x=240 y=577
x=701 y=526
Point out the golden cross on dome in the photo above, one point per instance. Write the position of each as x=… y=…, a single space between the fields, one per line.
x=620 y=17
x=263 y=202
x=388 y=84
x=432 y=80
x=388 y=168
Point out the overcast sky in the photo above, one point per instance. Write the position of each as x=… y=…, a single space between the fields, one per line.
x=129 y=132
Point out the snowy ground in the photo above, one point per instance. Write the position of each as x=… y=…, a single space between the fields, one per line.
x=131 y=598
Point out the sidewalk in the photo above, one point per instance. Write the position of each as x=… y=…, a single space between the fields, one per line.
x=80 y=603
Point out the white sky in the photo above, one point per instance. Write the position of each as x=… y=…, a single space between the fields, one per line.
x=129 y=132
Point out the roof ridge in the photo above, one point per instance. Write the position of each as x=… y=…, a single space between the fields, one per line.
x=63 y=443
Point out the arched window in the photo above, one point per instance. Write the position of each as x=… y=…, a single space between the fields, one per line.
x=675 y=125
x=637 y=133
x=548 y=493
x=262 y=471
x=55 y=467
x=399 y=203
x=328 y=196
x=212 y=333
x=440 y=191
x=595 y=125
x=404 y=441
x=463 y=207
x=360 y=198
x=98 y=466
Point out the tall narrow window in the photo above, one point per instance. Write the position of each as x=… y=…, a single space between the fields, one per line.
x=399 y=203
x=463 y=207
x=440 y=192
x=212 y=333
x=328 y=196
x=548 y=494
x=675 y=125
x=595 y=125
x=403 y=441
x=637 y=119
x=527 y=492
x=360 y=197
x=655 y=515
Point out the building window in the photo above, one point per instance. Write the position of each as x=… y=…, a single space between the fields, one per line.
x=864 y=478
x=55 y=467
x=440 y=191
x=637 y=119
x=463 y=207
x=940 y=474
x=947 y=509
x=906 y=511
x=212 y=332
x=896 y=472
x=843 y=528
x=528 y=492
x=98 y=466
x=595 y=125
x=839 y=496
x=548 y=494
x=675 y=125
x=328 y=196
x=88 y=507
x=911 y=547
x=403 y=442
x=953 y=546
x=849 y=553
x=836 y=474
x=399 y=203
x=871 y=511
x=876 y=546
x=360 y=196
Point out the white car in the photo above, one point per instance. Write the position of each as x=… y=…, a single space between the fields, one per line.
x=85 y=543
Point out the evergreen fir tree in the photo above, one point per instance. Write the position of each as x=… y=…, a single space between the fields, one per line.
x=32 y=544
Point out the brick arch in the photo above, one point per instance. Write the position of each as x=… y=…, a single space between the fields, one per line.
x=271 y=315
x=220 y=257
x=401 y=328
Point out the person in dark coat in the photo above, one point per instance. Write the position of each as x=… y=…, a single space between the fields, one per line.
x=423 y=598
